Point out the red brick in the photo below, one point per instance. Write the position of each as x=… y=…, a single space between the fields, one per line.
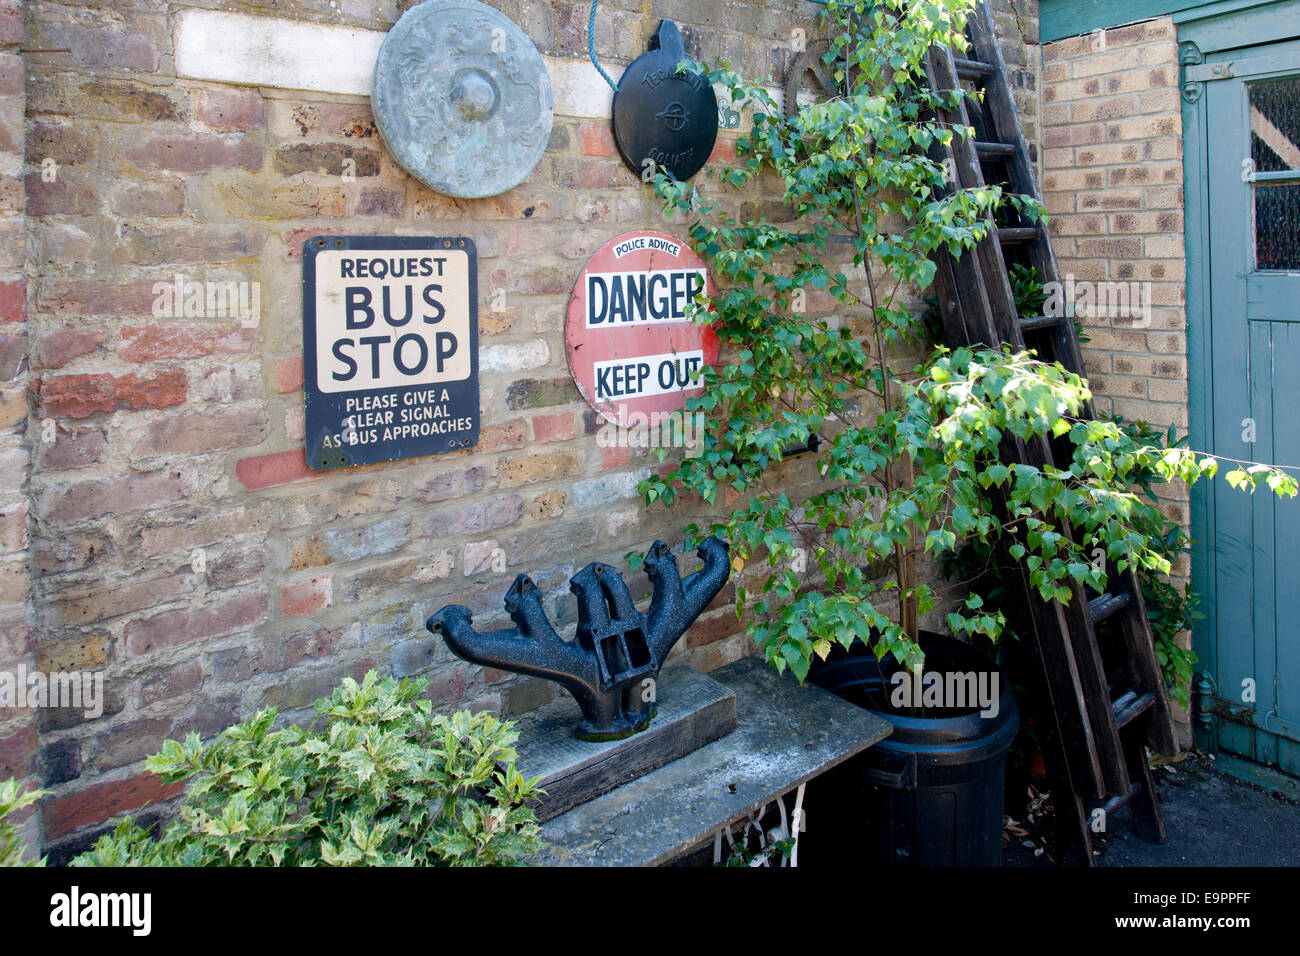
x=231 y=109
x=73 y=449
x=296 y=238
x=13 y=301
x=475 y=518
x=11 y=21
x=724 y=151
x=597 y=139
x=13 y=528
x=57 y=347
x=74 y=396
x=16 y=641
x=447 y=689
x=13 y=355
x=540 y=281
x=164 y=390
x=502 y=436
x=121 y=494
x=615 y=457
x=16 y=753
x=382 y=201
x=454 y=484
x=305 y=598
x=170 y=682
x=310 y=646
x=277 y=468
x=288 y=374
x=80 y=396
x=58 y=198
x=193 y=433
x=161 y=199
x=95 y=48
x=549 y=428
x=180 y=340
x=591 y=174
x=15 y=582
x=11 y=73
x=173 y=628
x=196 y=152
x=62 y=815
x=325 y=158
x=96 y=297
x=332 y=120
x=163 y=244
x=65 y=144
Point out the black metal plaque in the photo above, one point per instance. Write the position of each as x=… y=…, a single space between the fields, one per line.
x=390 y=348
x=662 y=116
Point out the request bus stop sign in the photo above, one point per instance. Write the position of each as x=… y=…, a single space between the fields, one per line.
x=632 y=350
x=390 y=348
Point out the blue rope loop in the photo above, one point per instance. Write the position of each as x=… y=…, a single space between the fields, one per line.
x=591 y=45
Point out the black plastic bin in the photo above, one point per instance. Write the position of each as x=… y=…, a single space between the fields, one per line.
x=931 y=793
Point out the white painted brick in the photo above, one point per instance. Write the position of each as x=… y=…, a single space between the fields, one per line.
x=514 y=358
x=292 y=55
x=270 y=51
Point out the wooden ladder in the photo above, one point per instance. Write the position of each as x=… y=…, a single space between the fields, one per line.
x=1100 y=701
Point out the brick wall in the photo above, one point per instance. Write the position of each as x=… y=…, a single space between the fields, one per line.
x=18 y=738
x=179 y=542
x=1113 y=183
x=1016 y=24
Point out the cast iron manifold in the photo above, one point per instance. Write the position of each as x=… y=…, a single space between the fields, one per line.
x=611 y=666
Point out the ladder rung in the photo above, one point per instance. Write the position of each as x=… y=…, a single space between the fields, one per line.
x=1018 y=234
x=993 y=150
x=1100 y=608
x=972 y=69
x=1131 y=706
x=1120 y=800
x=1036 y=322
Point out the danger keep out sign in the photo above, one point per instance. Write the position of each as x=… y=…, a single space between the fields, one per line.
x=390 y=348
x=632 y=349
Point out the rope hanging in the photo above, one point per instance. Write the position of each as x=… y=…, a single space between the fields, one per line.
x=591 y=45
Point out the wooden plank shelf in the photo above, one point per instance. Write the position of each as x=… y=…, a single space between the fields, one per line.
x=693 y=709
x=786 y=734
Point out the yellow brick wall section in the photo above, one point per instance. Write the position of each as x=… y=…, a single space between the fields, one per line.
x=1113 y=185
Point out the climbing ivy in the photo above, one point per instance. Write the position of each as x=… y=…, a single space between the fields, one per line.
x=909 y=459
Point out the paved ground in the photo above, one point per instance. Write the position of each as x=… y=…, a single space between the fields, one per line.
x=1211 y=819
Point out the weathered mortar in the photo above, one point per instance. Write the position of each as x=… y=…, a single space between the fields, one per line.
x=18 y=732
x=177 y=539
x=180 y=542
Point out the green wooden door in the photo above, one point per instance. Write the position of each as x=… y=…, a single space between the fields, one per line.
x=1253 y=149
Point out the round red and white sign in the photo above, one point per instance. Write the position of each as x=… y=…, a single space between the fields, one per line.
x=633 y=352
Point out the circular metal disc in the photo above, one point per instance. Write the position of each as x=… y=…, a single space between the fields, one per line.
x=462 y=98
x=663 y=116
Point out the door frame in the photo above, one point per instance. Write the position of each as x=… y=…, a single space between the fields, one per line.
x=1208 y=35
